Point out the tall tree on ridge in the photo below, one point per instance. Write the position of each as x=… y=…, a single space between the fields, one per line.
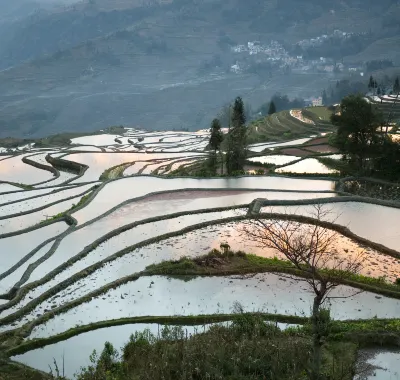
x=216 y=138
x=396 y=86
x=272 y=108
x=236 y=153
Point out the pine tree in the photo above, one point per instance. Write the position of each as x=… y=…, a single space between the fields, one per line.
x=396 y=86
x=216 y=138
x=324 y=98
x=272 y=108
x=371 y=84
x=236 y=152
x=375 y=84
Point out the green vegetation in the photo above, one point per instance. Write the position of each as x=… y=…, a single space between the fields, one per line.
x=74 y=206
x=272 y=108
x=323 y=113
x=249 y=348
x=217 y=263
x=114 y=172
x=368 y=149
x=15 y=371
x=236 y=139
x=216 y=137
x=22 y=185
x=368 y=188
x=282 y=126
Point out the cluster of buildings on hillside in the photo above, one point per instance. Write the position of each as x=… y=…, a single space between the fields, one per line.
x=317 y=41
x=275 y=54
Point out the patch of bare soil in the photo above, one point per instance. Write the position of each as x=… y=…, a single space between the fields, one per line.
x=323 y=148
x=295 y=152
x=318 y=140
x=211 y=262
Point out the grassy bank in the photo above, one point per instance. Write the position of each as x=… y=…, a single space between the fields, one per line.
x=216 y=263
x=15 y=371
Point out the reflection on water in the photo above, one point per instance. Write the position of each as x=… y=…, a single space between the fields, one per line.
x=308 y=165
x=373 y=222
x=266 y=292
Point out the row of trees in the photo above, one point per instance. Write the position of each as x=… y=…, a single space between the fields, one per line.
x=382 y=89
x=280 y=102
x=345 y=87
x=363 y=137
x=236 y=145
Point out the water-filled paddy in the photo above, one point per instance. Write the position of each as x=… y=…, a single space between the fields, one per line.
x=98 y=140
x=274 y=159
x=99 y=162
x=14 y=248
x=373 y=222
x=261 y=147
x=308 y=165
x=8 y=282
x=24 y=194
x=28 y=220
x=74 y=243
x=207 y=295
x=14 y=170
x=45 y=199
x=118 y=191
x=87 y=148
x=5 y=187
x=64 y=177
x=378 y=364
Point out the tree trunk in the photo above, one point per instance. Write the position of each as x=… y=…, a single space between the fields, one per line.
x=315 y=372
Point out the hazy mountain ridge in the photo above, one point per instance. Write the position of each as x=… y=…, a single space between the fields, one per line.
x=141 y=65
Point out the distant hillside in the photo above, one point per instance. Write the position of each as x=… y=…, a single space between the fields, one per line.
x=162 y=64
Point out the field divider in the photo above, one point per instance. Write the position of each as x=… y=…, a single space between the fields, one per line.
x=114 y=284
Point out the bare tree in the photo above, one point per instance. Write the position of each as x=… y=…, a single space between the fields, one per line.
x=312 y=250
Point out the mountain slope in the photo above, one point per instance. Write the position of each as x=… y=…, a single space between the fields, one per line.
x=141 y=63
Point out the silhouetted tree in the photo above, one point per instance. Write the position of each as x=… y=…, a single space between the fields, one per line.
x=357 y=133
x=371 y=83
x=396 y=86
x=324 y=98
x=311 y=248
x=216 y=138
x=272 y=108
x=236 y=150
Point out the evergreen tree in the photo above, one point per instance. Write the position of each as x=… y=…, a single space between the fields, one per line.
x=216 y=138
x=272 y=108
x=378 y=91
x=375 y=85
x=357 y=134
x=324 y=98
x=371 y=84
x=236 y=152
x=396 y=86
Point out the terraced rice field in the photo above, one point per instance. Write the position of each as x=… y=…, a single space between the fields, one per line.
x=73 y=252
x=287 y=125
